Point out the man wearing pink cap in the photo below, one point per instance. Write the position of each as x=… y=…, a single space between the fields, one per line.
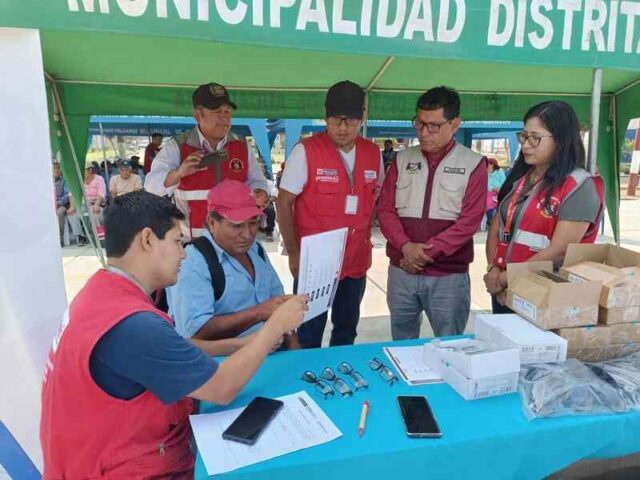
x=226 y=286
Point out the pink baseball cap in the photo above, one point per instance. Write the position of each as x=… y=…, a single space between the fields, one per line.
x=233 y=200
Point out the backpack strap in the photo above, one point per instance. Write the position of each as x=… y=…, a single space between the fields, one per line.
x=218 y=281
x=261 y=252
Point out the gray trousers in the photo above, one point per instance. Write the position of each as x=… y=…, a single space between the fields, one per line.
x=446 y=301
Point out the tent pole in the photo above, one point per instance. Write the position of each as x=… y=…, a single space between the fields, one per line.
x=104 y=154
x=85 y=204
x=596 y=92
x=616 y=156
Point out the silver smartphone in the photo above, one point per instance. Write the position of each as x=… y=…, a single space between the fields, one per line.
x=418 y=418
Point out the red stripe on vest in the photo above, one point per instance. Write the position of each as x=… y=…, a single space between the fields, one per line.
x=236 y=168
x=538 y=220
x=321 y=205
x=86 y=433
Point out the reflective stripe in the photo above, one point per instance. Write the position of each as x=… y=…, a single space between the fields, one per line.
x=197 y=232
x=191 y=195
x=535 y=241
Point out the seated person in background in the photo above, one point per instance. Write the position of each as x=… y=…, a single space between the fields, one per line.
x=226 y=286
x=496 y=178
x=269 y=222
x=125 y=182
x=62 y=199
x=95 y=191
x=119 y=381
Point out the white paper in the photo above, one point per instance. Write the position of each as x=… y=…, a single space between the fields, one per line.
x=299 y=424
x=320 y=264
x=409 y=362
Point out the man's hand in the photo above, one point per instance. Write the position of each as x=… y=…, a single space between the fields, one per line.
x=408 y=267
x=262 y=198
x=501 y=298
x=294 y=264
x=415 y=256
x=289 y=315
x=267 y=308
x=191 y=165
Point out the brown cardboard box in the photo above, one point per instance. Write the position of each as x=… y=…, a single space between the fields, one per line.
x=603 y=342
x=617 y=268
x=548 y=300
x=619 y=315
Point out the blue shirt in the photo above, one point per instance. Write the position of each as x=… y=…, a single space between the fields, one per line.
x=144 y=352
x=191 y=300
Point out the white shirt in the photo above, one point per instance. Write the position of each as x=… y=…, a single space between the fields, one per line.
x=294 y=176
x=168 y=159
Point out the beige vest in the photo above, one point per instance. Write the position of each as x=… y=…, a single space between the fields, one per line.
x=449 y=184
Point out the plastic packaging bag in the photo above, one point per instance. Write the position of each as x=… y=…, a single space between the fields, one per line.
x=623 y=374
x=571 y=388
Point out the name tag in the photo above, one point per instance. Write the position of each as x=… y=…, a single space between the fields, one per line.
x=327 y=175
x=351 y=206
x=455 y=171
x=370 y=175
x=413 y=168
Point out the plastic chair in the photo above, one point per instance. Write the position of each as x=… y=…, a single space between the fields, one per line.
x=13 y=458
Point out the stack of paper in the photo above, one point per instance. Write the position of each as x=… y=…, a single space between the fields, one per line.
x=409 y=362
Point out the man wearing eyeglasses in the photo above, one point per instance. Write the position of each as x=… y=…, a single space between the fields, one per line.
x=176 y=170
x=332 y=181
x=431 y=204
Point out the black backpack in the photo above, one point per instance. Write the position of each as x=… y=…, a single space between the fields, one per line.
x=218 y=280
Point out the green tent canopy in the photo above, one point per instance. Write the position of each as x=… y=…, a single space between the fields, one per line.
x=143 y=57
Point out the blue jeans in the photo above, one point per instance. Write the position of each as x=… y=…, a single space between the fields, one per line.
x=345 y=313
x=446 y=300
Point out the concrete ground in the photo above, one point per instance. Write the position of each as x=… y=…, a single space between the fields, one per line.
x=79 y=263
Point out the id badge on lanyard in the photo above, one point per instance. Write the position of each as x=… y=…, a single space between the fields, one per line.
x=505 y=236
x=351 y=205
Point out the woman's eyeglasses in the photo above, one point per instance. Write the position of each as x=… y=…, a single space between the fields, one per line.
x=534 y=140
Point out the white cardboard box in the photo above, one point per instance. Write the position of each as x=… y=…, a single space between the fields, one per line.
x=472 y=358
x=535 y=345
x=472 y=389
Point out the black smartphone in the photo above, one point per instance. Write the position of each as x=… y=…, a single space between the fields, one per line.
x=418 y=418
x=253 y=420
x=213 y=158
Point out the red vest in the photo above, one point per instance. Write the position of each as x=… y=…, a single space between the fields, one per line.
x=321 y=205
x=193 y=189
x=535 y=226
x=84 y=432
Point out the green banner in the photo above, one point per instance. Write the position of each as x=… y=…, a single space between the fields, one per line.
x=587 y=33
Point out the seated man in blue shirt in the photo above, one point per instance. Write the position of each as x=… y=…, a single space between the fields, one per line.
x=247 y=289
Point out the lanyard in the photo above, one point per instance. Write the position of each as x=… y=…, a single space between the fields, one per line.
x=511 y=210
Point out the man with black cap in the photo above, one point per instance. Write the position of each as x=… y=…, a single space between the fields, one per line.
x=126 y=182
x=332 y=181
x=176 y=170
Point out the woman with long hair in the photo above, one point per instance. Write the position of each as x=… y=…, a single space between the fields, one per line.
x=548 y=200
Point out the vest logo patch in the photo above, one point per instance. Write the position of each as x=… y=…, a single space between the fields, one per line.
x=551 y=210
x=370 y=175
x=236 y=164
x=413 y=167
x=456 y=171
x=327 y=175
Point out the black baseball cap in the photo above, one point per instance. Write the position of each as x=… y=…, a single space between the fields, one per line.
x=124 y=163
x=345 y=99
x=212 y=96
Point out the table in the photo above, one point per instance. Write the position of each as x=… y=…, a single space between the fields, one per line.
x=482 y=439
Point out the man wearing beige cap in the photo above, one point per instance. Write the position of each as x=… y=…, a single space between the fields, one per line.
x=177 y=170
x=226 y=287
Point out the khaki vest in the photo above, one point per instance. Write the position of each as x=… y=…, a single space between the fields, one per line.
x=449 y=183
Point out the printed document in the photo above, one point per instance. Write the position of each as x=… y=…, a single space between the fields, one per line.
x=409 y=362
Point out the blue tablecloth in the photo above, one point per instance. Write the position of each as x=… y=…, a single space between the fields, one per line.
x=482 y=439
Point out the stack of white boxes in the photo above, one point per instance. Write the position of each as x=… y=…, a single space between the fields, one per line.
x=534 y=344
x=490 y=364
x=473 y=368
